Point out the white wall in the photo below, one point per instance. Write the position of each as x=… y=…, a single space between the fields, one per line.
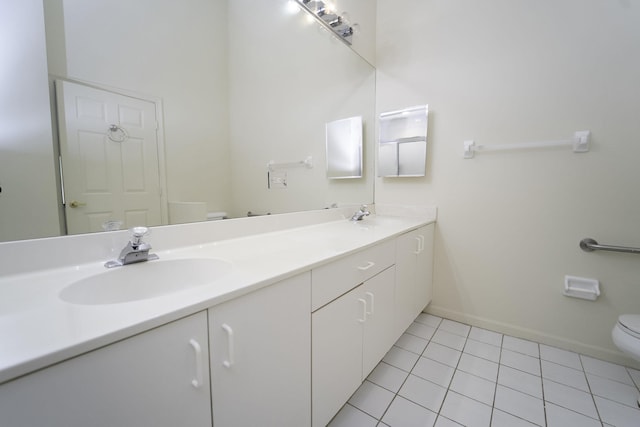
x=288 y=78
x=502 y=71
x=171 y=50
x=28 y=201
x=361 y=15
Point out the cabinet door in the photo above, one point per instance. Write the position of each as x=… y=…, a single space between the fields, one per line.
x=261 y=357
x=158 y=378
x=379 y=329
x=424 y=268
x=337 y=331
x=414 y=275
x=408 y=249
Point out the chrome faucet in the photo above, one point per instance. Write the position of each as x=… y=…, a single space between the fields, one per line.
x=360 y=214
x=135 y=250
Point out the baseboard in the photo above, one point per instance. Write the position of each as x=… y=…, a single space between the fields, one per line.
x=533 y=335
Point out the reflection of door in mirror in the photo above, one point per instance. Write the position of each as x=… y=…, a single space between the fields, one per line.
x=109 y=154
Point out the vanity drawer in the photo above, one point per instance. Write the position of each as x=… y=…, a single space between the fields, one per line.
x=330 y=281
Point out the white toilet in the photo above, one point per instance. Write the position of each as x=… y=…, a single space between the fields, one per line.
x=626 y=335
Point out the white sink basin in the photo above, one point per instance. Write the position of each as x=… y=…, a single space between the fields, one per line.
x=145 y=280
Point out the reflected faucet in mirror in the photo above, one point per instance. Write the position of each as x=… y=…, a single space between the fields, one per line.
x=361 y=213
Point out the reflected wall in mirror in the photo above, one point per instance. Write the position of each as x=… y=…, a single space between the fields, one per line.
x=237 y=84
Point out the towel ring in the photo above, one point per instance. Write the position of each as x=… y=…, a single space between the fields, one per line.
x=117 y=134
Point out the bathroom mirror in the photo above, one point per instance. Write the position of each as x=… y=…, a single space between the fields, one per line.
x=237 y=84
x=402 y=151
x=344 y=148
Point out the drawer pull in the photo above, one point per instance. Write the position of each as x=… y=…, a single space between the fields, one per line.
x=366 y=267
x=230 y=356
x=197 y=381
x=420 y=240
x=364 y=310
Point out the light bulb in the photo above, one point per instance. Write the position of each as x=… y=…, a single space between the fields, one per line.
x=291 y=7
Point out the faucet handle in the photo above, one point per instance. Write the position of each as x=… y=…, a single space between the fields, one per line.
x=137 y=233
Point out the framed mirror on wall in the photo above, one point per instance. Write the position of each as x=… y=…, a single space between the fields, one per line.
x=233 y=80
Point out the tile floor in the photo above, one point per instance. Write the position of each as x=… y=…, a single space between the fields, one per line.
x=444 y=373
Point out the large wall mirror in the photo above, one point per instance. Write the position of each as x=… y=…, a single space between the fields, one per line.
x=230 y=86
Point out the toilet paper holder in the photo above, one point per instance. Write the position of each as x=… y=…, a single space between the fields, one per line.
x=581 y=287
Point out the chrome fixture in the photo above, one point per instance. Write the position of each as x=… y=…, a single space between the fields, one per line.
x=117 y=133
x=590 y=245
x=250 y=214
x=360 y=214
x=135 y=251
x=329 y=18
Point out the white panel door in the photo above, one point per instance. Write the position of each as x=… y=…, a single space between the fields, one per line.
x=109 y=151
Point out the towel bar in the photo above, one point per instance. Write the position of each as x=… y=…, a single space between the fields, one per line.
x=590 y=245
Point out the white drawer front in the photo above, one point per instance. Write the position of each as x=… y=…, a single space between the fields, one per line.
x=334 y=279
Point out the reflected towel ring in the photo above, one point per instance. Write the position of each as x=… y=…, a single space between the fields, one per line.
x=117 y=134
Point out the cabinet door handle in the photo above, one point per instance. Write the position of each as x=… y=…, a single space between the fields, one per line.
x=197 y=382
x=230 y=352
x=371 y=302
x=421 y=237
x=364 y=310
x=417 y=251
x=366 y=267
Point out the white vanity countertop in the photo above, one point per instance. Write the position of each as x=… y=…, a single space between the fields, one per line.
x=38 y=329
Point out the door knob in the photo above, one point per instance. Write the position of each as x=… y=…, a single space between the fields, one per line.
x=76 y=204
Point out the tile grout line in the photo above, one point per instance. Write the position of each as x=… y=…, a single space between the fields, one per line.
x=544 y=401
x=495 y=389
x=593 y=397
x=396 y=394
x=517 y=349
x=454 y=374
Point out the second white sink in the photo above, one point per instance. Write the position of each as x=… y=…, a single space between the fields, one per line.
x=145 y=280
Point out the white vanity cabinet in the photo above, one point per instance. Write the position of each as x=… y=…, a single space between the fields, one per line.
x=157 y=378
x=261 y=357
x=414 y=271
x=351 y=333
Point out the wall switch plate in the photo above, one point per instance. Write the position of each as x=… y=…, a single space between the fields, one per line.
x=277 y=179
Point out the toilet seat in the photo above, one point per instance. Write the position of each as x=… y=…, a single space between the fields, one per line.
x=630 y=324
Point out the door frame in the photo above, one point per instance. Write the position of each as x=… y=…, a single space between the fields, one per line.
x=160 y=138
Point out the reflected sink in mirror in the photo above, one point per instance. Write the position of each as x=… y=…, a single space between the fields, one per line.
x=145 y=280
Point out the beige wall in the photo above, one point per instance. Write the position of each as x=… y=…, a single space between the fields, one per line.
x=28 y=201
x=509 y=223
x=174 y=51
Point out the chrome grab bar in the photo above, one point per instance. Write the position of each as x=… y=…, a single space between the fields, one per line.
x=590 y=245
